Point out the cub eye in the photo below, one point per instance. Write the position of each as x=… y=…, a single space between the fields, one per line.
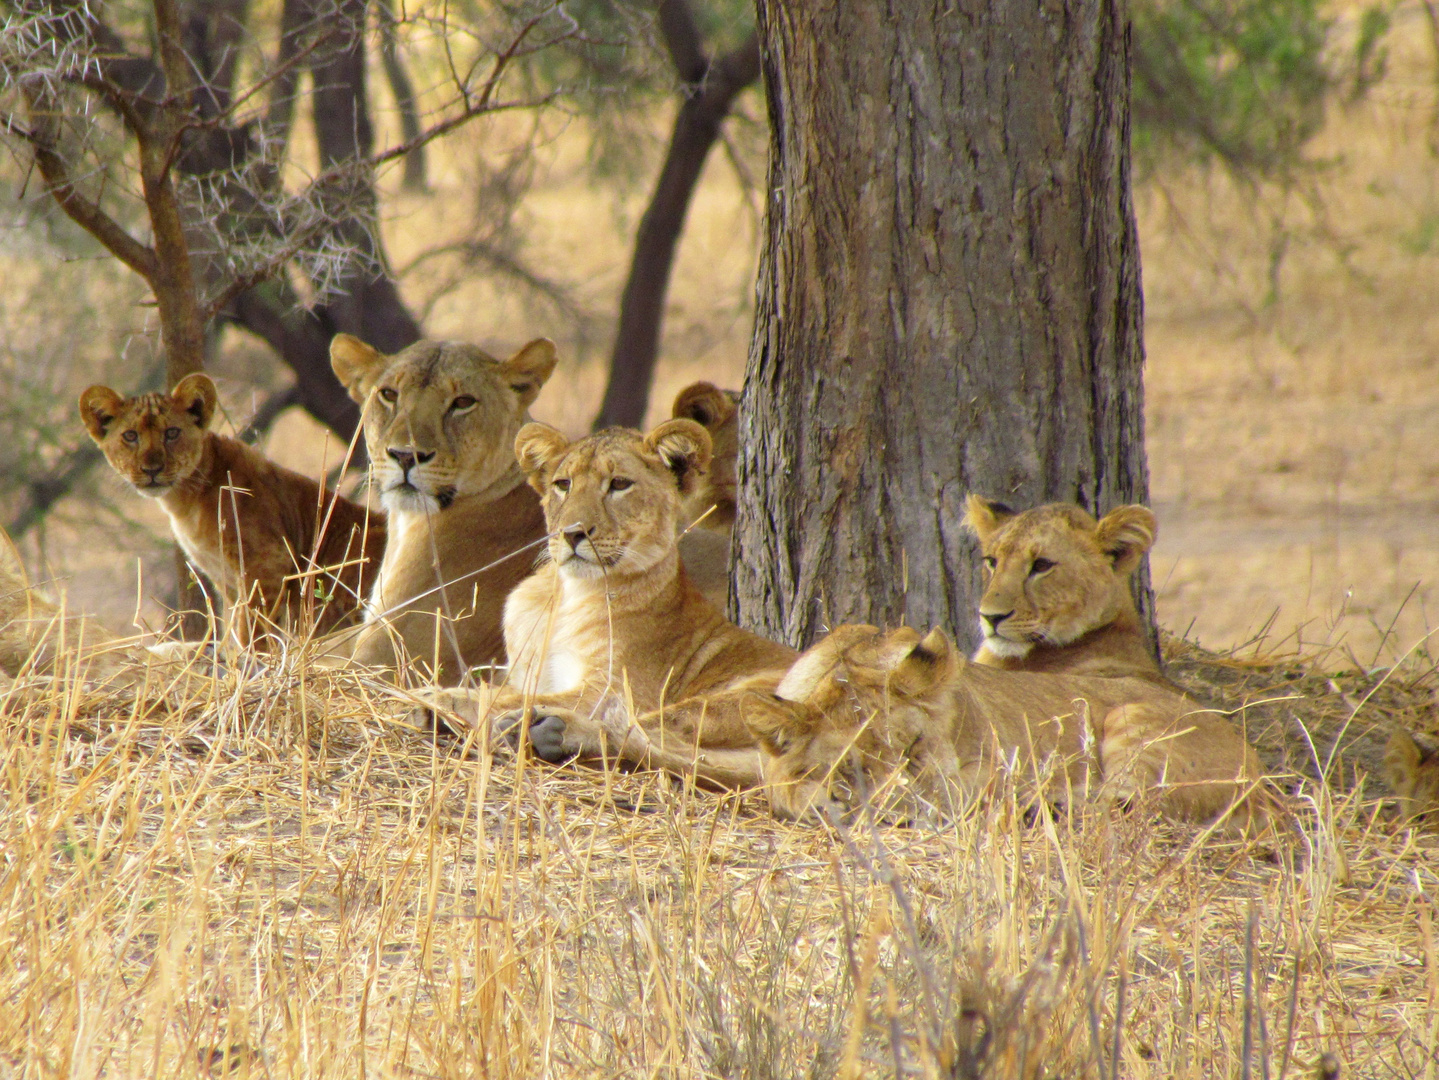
x=1039 y=566
x=389 y=395
x=131 y=437
x=990 y=562
x=561 y=484
x=464 y=401
x=171 y=434
x=620 y=483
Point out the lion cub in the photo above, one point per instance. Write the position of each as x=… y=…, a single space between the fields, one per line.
x=895 y=706
x=259 y=531
x=709 y=510
x=612 y=623
x=1411 y=768
x=1057 y=594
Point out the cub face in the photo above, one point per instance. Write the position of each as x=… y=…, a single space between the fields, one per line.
x=855 y=703
x=1054 y=573
x=155 y=441
x=717 y=411
x=612 y=499
x=440 y=418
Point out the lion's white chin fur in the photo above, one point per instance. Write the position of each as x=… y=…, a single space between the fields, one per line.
x=1006 y=649
x=409 y=500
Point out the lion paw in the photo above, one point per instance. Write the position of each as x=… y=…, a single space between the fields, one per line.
x=547 y=739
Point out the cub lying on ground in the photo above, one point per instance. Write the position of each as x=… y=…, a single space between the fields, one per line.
x=611 y=627
x=1057 y=592
x=259 y=531
x=886 y=704
x=440 y=420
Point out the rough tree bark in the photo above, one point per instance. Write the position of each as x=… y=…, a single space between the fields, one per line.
x=709 y=87
x=948 y=300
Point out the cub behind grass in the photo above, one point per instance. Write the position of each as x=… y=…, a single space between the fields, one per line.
x=612 y=627
x=440 y=421
x=263 y=533
x=892 y=707
x=1411 y=768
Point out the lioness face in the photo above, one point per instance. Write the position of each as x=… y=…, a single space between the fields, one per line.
x=612 y=499
x=440 y=418
x=155 y=441
x=1053 y=574
x=717 y=411
x=854 y=704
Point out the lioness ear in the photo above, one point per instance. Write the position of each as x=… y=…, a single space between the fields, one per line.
x=985 y=517
x=928 y=664
x=356 y=365
x=685 y=448
x=1125 y=535
x=99 y=405
x=775 y=722
x=529 y=369
x=195 y=394
x=539 y=448
x=704 y=403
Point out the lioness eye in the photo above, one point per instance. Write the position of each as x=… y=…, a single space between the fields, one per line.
x=562 y=485
x=171 y=434
x=990 y=562
x=464 y=401
x=1039 y=566
x=131 y=437
x=389 y=394
x=619 y=483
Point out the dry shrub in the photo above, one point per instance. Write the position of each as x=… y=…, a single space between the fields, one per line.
x=275 y=876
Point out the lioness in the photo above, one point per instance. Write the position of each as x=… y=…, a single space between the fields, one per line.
x=440 y=420
x=1057 y=594
x=709 y=510
x=259 y=531
x=891 y=703
x=612 y=626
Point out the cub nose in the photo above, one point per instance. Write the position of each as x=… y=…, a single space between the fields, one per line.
x=574 y=534
x=408 y=459
x=995 y=618
x=152 y=472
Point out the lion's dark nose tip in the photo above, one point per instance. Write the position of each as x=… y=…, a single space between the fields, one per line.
x=994 y=619
x=574 y=535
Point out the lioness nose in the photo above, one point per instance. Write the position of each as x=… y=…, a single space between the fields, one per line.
x=408 y=459
x=574 y=535
x=994 y=619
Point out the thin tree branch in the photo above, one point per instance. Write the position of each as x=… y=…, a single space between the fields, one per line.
x=683 y=41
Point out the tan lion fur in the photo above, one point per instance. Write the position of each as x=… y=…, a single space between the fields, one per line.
x=1411 y=768
x=460 y=507
x=612 y=627
x=1057 y=589
x=709 y=511
x=252 y=526
x=892 y=706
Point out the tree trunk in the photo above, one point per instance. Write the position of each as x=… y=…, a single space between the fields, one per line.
x=697 y=125
x=948 y=301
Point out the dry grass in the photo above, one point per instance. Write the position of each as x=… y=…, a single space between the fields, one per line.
x=276 y=877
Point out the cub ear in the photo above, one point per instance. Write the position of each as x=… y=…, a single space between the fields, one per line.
x=539 y=448
x=1125 y=535
x=529 y=369
x=926 y=666
x=775 y=723
x=356 y=365
x=985 y=517
x=704 y=403
x=99 y=405
x=195 y=394
x=685 y=448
